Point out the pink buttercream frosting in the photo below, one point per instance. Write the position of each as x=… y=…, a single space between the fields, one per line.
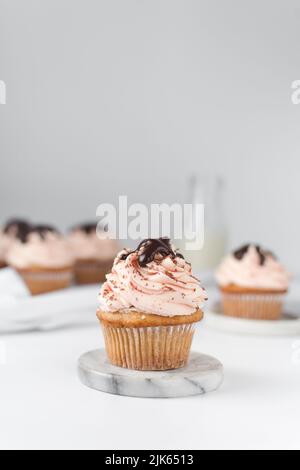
x=250 y=272
x=164 y=287
x=51 y=251
x=92 y=245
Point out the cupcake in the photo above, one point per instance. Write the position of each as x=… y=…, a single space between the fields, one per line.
x=43 y=259
x=253 y=284
x=8 y=235
x=150 y=305
x=94 y=253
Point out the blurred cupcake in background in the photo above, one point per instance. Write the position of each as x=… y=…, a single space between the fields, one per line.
x=253 y=283
x=93 y=252
x=43 y=258
x=11 y=231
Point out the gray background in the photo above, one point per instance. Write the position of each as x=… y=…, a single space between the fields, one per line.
x=109 y=97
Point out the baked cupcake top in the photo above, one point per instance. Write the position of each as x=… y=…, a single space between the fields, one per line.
x=253 y=267
x=88 y=243
x=40 y=246
x=12 y=230
x=154 y=279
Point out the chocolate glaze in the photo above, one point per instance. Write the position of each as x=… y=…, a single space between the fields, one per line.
x=17 y=228
x=240 y=253
x=88 y=228
x=151 y=247
x=124 y=255
x=40 y=230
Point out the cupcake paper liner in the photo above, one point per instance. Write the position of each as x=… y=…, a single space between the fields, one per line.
x=253 y=306
x=149 y=348
x=91 y=273
x=41 y=282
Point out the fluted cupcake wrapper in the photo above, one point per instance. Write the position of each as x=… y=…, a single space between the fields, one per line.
x=253 y=306
x=91 y=273
x=40 y=282
x=149 y=348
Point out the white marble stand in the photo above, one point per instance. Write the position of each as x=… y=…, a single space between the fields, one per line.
x=203 y=374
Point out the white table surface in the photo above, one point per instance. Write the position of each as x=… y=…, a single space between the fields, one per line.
x=43 y=405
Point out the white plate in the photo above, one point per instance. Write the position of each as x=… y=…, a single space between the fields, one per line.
x=288 y=325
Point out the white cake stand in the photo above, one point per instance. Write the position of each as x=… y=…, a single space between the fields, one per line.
x=203 y=374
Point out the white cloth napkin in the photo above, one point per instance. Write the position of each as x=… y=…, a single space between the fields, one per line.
x=19 y=311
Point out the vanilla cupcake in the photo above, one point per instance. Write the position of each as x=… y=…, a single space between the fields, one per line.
x=150 y=305
x=253 y=283
x=43 y=259
x=8 y=235
x=94 y=253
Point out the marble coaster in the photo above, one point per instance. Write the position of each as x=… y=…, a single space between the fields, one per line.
x=203 y=374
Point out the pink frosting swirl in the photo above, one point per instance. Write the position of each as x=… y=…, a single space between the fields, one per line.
x=163 y=287
x=51 y=251
x=92 y=245
x=251 y=272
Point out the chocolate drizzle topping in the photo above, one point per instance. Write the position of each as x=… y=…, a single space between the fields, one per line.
x=17 y=228
x=21 y=229
x=240 y=253
x=124 y=255
x=150 y=248
x=40 y=230
x=88 y=228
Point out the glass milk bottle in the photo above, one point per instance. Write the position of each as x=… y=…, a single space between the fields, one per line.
x=208 y=190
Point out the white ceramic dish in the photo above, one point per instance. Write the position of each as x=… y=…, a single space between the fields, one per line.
x=288 y=325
